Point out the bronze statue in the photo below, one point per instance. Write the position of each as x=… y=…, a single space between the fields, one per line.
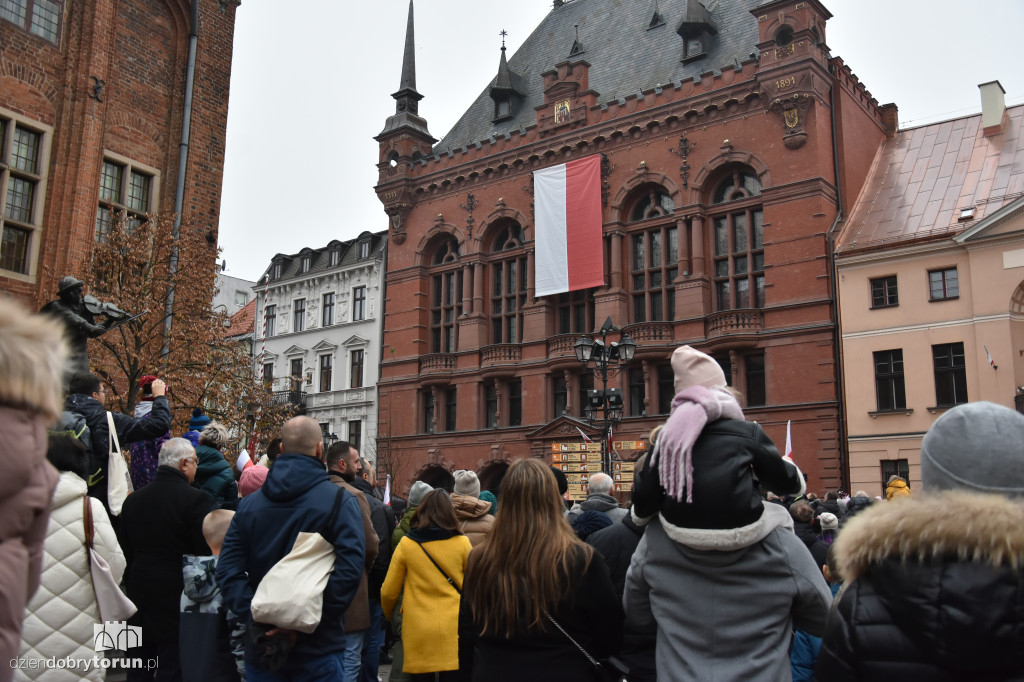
x=76 y=312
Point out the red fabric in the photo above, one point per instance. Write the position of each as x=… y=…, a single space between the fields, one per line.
x=584 y=223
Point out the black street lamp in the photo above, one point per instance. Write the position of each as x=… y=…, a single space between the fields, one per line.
x=604 y=405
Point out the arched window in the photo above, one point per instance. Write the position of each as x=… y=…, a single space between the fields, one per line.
x=508 y=283
x=652 y=204
x=445 y=296
x=654 y=250
x=738 y=185
x=737 y=237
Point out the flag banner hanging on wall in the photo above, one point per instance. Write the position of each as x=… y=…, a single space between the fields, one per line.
x=567 y=203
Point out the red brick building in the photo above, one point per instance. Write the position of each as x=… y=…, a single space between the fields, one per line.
x=731 y=140
x=92 y=99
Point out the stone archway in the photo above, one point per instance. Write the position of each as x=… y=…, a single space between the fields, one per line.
x=491 y=474
x=436 y=476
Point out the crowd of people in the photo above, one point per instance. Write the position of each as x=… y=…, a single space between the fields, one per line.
x=723 y=567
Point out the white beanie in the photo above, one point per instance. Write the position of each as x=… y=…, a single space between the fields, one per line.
x=467 y=483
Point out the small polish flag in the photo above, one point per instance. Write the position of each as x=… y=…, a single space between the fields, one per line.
x=244 y=461
x=387 y=491
x=609 y=438
x=569 y=246
x=586 y=439
x=789 y=441
x=989 y=356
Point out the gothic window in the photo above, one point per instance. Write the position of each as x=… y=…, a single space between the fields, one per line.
x=737 y=235
x=23 y=163
x=445 y=297
x=653 y=256
x=126 y=192
x=508 y=284
x=576 y=312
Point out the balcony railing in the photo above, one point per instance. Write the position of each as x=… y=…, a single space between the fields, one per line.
x=296 y=398
x=562 y=345
x=747 y=321
x=435 y=363
x=648 y=332
x=501 y=354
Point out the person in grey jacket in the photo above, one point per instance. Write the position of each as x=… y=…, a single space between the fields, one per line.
x=599 y=499
x=731 y=578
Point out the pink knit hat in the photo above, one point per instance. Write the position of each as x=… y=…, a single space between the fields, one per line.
x=252 y=479
x=693 y=368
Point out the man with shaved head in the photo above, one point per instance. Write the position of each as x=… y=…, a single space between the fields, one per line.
x=297 y=497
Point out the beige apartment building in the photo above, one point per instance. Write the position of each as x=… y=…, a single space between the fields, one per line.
x=930 y=273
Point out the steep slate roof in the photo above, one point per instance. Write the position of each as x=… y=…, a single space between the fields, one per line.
x=321 y=258
x=625 y=57
x=921 y=179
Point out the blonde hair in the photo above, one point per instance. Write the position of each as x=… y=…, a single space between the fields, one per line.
x=215 y=526
x=215 y=435
x=33 y=356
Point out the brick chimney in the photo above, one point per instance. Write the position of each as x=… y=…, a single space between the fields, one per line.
x=890 y=120
x=993 y=108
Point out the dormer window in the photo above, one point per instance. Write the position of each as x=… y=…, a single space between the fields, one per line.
x=275 y=271
x=364 y=249
x=306 y=261
x=335 y=257
x=696 y=31
x=502 y=108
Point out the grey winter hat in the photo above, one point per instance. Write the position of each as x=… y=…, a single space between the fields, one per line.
x=828 y=521
x=467 y=483
x=417 y=492
x=978 y=447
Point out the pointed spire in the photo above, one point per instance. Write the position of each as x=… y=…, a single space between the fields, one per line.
x=407 y=99
x=409 y=60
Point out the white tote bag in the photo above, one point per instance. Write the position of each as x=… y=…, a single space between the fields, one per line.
x=119 y=481
x=291 y=594
x=112 y=603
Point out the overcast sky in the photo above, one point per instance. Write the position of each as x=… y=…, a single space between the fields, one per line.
x=311 y=86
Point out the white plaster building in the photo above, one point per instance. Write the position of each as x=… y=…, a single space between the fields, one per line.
x=318 y=331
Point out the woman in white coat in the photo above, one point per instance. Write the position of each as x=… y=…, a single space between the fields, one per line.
x=60 y=616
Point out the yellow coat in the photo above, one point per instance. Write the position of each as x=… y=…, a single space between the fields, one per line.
x=897 y=488
x=430 y=608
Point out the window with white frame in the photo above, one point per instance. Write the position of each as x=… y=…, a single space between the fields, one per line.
x=23 y=162
x=39 y=17
x=126 y=193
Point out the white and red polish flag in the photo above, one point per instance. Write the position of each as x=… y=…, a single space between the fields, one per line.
x=789 y=443
x=567 y=203
x=585 y=437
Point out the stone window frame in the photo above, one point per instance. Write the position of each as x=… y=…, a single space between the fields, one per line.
x=299 y=315
x=9 y=123
x=508 y=281
x=731 y=198
x=446 y=296
x=29 y=24
x=652 y=231
x=129 y=169
x=359 y=303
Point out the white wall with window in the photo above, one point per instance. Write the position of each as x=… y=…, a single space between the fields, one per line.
x=321 y=308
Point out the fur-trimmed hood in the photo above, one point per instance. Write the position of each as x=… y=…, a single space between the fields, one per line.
x=968 y=526
x=933 y=591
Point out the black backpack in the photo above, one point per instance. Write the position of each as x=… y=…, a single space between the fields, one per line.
x=73 y=424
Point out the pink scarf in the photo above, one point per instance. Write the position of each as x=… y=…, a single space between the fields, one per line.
x=692 y=409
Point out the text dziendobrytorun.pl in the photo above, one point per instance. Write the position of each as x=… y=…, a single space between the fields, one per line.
x=84 y=664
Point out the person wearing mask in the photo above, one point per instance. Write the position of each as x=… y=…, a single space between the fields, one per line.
x=427 y=570
x=532 y=577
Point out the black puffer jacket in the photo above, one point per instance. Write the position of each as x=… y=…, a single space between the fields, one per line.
x=726 y=457
x=930 y=592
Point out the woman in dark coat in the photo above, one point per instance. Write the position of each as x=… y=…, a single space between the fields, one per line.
x=214 y=475
x=531 y=569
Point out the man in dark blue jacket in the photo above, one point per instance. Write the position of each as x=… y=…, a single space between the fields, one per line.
x=87 y=398
x=297 y=497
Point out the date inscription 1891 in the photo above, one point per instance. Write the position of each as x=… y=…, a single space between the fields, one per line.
x=785 y=82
